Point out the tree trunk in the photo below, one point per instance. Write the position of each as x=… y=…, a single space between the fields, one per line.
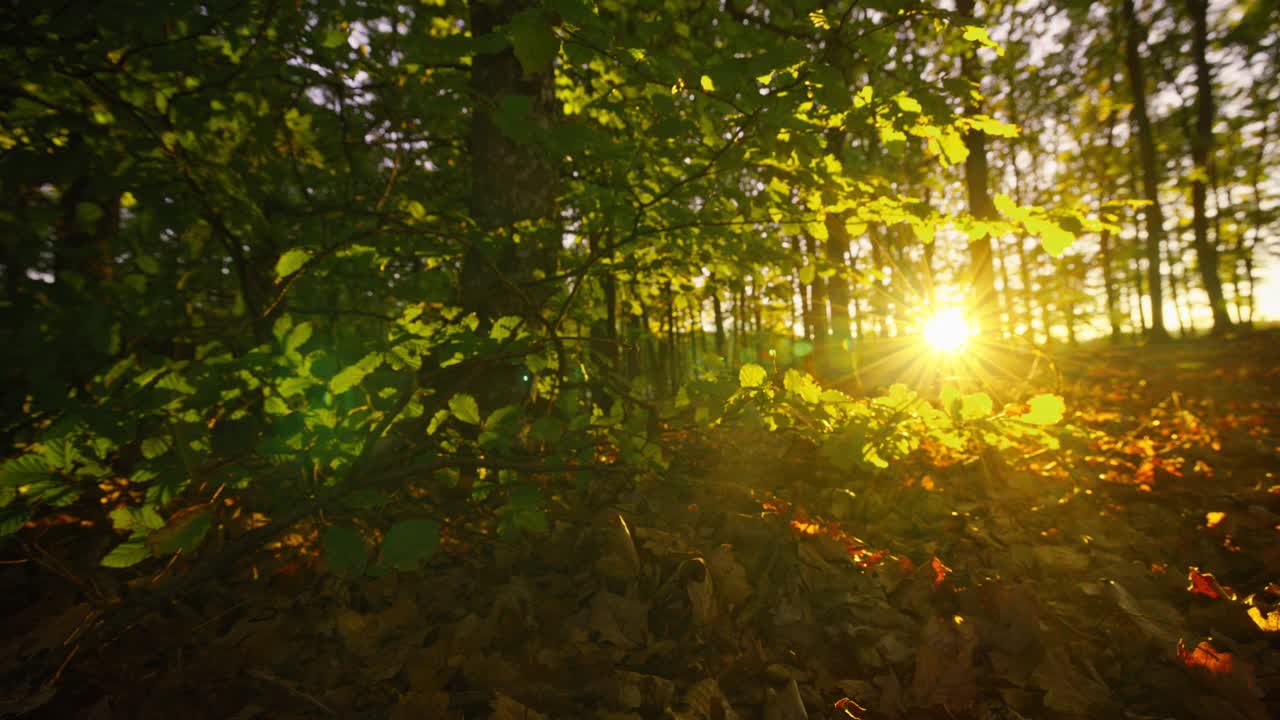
x=1201 y=156
x=984 y=302
x=1150 y=178
x=511 y=180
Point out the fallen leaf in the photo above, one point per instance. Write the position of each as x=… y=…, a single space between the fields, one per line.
x=1269 y=622
x=1207 y=585
x=945 y=674
x=940 y=572
x=1205 y=656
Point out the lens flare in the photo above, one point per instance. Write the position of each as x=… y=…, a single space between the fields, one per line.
x=947 y=331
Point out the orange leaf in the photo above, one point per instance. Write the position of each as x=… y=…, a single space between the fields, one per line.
x=940 y=572
x=1205 y=656
x=1207 y=585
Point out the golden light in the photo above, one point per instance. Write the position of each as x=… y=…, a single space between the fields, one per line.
x=947 y=331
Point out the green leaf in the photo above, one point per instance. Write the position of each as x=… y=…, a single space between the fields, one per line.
x=975 y=406
x=352 y=375
x=533 y=40
x=751 y=375
x=299 y=336
x=807 y=274
x=344 y=551
x=24 y=470
x=801 y=384
x=503 y=327
x=290 y=262
x=333 y=37
x=126 y=555
x=438 y=418
x=464 y=408
x=409 y=542
x=184 y=531
x=1046 y=409
x=276 y=406
x=281 y=327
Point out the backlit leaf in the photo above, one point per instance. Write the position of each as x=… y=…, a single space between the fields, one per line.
x=1046 y=409
x=126 y=555
x=290 y=262
x=464 y=408
x=751 y=375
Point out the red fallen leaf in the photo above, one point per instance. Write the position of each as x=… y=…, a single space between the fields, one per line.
x=849 y=706
x=940 y=572
x=1207 y=585
x=1205 y=656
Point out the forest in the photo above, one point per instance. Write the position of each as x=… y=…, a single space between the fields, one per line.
x=640 y=359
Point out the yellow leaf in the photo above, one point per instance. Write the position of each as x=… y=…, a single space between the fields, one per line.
x=973 y=33
x=1268 y=623
x=908 y=104
x=751 y=375
x=863 y=98
x=1008 y=208
x=707 y=84
x=952 y=147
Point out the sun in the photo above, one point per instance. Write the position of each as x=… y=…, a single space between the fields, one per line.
x=947 y=331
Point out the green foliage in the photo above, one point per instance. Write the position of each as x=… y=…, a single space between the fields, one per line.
x=344 y=551
x=249 y=263
x=408 y=543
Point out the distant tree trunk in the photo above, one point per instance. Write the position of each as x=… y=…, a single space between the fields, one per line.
x=1173 y=289
x=984 y=302
x=1104 y=239
x=1028 y=300
x=718 y=313
x=1150 y=179
x=1256 y=219
x=1201 y=156
x=1139 y=293
x=1109 y=284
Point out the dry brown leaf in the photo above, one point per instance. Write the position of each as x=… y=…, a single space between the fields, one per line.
x=622 y=621
x=1070 y=687
x=707 y=701
x=944 y=674
x=729 y=576
x=418 y=705
x=785 y=704
x=506 y=708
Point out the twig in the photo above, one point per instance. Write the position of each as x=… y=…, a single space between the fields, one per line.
x=291 y=688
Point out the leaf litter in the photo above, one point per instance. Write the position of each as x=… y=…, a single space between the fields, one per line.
x=1134 y=572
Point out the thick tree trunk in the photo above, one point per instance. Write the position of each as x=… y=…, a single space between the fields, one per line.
x=511 y=180
x=984 y=301
x=1150 y=178
x=1201 y=152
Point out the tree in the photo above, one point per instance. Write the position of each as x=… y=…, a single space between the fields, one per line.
x=1133 y=34
x=1201 y=155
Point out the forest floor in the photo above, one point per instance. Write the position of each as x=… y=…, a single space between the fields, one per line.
x=1132 y=575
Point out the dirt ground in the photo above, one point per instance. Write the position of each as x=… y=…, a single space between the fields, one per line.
x=1133 y=573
